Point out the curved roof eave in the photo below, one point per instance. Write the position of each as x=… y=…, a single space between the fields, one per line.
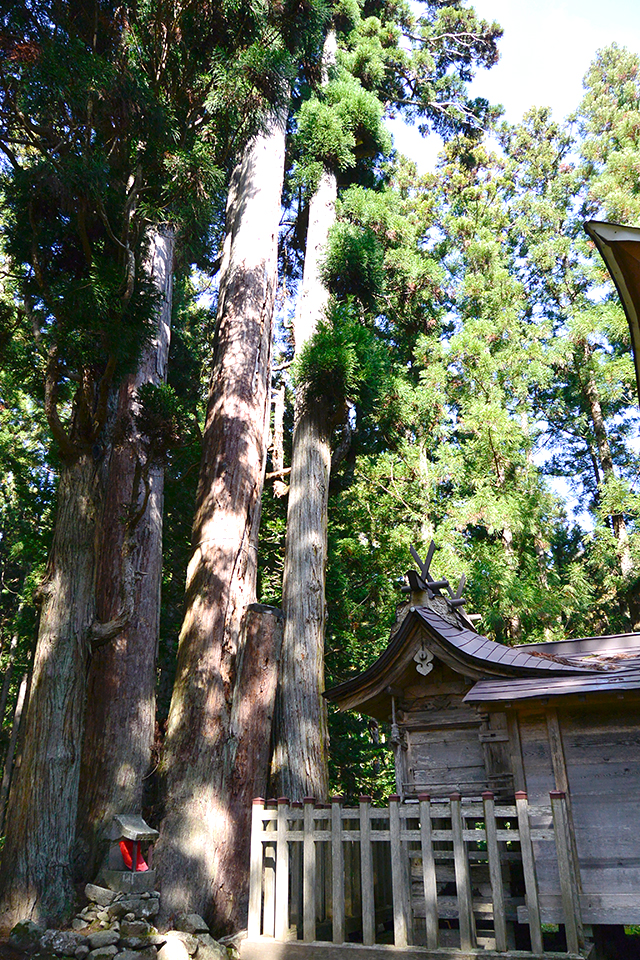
x=465 y=651
x=619 y=247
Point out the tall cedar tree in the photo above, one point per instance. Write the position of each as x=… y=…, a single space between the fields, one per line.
x=488 y=383
x=122 y=674
x=385 y=61
x=217 y=746
x=208 y=785
x=93 y=160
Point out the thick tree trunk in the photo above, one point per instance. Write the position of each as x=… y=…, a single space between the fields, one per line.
x=221 y=579
x=121 y=687
x=35 y=874
x=299 y=766
x=247 y=755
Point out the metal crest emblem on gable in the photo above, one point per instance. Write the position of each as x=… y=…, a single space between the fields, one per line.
x=424 y=661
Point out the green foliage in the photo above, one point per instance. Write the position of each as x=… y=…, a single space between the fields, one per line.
x=344 y=362
x=609 y=118
x=159 y=418
x=336 y=127
x=27 y=495
x=353 y=264
x=141 y=132
x=512 y=342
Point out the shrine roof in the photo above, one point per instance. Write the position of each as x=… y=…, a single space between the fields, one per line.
x=458 y=646
x=619 y=247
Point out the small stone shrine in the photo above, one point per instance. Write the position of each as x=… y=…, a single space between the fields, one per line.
x=127 y=870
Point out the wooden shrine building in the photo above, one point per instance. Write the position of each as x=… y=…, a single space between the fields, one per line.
x=517 y=788
x=469 y=715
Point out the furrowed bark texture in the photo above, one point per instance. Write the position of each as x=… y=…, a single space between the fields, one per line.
x=247 y=755
x=35 y=872
x=121 y=688
x=299 y=766
x=221 y=579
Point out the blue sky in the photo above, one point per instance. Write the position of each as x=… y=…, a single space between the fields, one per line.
x=545 y=51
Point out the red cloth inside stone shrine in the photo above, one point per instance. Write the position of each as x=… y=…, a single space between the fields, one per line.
x=126 y=849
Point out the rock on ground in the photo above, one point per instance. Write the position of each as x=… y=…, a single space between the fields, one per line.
x=135 y=928
x=173 y=949
x=210 y=949
x=141 y=908
x=25 y=935
x=188 y=939
x=100 y=895
x=103 y=953
x=191 y=923
x=63 y=943
x=103 y=938
x=147 y=953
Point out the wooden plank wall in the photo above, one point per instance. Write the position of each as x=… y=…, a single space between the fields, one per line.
x=592 y=752
x=445 y=753
x=602 y=751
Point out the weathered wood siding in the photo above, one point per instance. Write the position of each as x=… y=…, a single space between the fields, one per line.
x=602 y=751
x=444 y=752
x=446 y=756
x=597 y=755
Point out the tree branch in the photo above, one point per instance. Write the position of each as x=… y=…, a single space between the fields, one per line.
x=67 y=448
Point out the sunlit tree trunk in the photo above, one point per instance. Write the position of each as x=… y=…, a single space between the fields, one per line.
x=121 y=688
x=199 y=825
x=299 y=766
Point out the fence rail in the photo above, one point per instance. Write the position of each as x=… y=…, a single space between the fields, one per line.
x=400 y=873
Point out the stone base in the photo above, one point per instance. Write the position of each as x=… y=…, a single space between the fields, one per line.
x=128 y=881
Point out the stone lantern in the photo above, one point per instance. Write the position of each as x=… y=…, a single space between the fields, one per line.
x=129 y=867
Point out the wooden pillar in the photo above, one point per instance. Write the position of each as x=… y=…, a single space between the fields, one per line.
x=269 y=920
x=255 y=870
x=463 y=877
x=398 y=875
x=309 y=873
x=366 y=874
x=568 y=886
x=428 y=872
x=561 y=775
x=495 y=871
x=529 y=869
x=337 y=870
x=282 y=871
x=515 y=751
x=296 y=824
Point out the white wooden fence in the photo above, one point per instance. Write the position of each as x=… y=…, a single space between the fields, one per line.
x=334 y=874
